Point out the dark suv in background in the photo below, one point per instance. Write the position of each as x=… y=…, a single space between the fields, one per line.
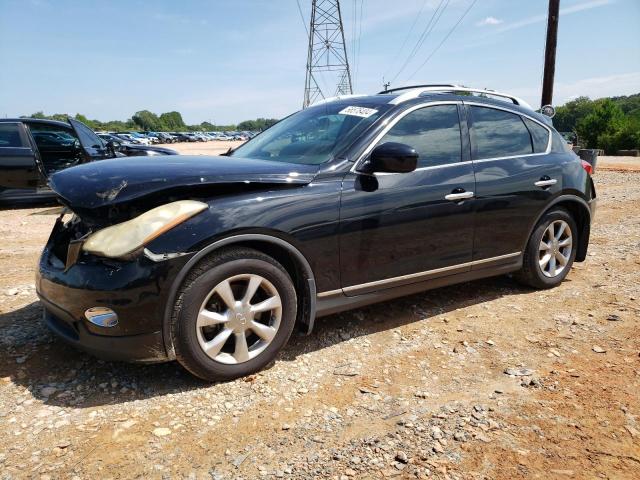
x=213 y=260
x=33 y=149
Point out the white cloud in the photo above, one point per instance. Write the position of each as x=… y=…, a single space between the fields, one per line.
x=579 y=7
x=489 y=21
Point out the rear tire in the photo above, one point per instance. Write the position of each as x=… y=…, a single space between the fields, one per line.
x=233 y=314
x=550 y=251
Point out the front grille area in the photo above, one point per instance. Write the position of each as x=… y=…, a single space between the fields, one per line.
x=62 y=236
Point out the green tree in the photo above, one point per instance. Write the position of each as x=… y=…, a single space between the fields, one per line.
x=568 y=115
x=172 y=121
x=625 y=137
x=604 y=121
x=86 y=121
x=146 y=120
x=258 y=124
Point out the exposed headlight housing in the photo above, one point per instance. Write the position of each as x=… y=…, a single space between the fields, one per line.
x=124 y=238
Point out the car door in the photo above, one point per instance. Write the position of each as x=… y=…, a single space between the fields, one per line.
x=92 y=145
x=408 y=227
x=19 y=162
x=516 y=176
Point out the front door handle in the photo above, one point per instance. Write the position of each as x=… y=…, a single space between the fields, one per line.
x=546 y=182
x=456 y=197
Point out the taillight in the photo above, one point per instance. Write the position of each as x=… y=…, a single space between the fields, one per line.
x=587 y=167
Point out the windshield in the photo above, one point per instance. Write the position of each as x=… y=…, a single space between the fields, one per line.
x=314 y=135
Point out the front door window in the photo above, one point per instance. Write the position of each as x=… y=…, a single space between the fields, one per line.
x=434 y=132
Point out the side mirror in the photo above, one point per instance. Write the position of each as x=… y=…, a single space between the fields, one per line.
x=113 y=147
x=392 y=157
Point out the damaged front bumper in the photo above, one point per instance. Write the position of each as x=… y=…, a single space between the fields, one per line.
x=135 y=290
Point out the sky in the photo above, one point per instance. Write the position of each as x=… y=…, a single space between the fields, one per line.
x=225 y=61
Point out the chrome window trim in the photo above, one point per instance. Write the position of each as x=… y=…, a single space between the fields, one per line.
x=392 y=123
x=425 y=273
x=515 y=112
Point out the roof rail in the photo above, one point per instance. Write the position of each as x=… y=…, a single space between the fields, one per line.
x=397 y=89
x=415 y=92
x=333 y=99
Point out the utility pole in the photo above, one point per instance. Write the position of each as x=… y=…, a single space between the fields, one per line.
x=550 y=53
x=327 y=51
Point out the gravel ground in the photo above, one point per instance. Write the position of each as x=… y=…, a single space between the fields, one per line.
x=480 y=380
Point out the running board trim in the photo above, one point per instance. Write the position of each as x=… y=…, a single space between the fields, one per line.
x=418 y=275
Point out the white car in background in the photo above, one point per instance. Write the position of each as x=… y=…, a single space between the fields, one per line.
x=135 y=139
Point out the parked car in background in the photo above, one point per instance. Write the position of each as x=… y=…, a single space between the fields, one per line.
x=214 y=260
x=165 y=137
x=143 y=139
x=31 y=150
x=179 y=137
x=192 y=137
x=135 y=150
x=152 y=136
x=125 y=137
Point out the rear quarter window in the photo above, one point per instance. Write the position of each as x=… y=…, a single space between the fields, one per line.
x=11 y=136
x=539 y=135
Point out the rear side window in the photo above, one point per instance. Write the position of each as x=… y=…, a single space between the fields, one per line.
x=497 y=133
x=434 y=132
x=539 y=135
x=10 y=136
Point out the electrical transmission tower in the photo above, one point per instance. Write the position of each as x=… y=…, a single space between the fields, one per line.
x=327 y=51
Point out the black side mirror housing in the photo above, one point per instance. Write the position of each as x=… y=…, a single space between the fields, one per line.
x=391 y=157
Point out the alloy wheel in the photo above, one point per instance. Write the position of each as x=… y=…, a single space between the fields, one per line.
x=555 y=248
x=239 y=318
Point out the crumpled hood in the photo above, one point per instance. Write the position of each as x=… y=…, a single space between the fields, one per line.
x=108 y=182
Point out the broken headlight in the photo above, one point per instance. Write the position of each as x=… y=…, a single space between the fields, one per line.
x=124 y=238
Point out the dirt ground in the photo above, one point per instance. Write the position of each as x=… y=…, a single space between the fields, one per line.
x=481 y=380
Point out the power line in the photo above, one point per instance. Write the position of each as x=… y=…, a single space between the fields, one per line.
x=356 y=56
x=444 y=39
x=304 y=22
x=425 y=34
x=406 y=38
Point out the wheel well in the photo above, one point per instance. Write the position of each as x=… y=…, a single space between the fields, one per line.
x=582 y=217
x=295 y=270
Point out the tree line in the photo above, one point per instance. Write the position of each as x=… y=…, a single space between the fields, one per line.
x=610 y=124
x=145 y=120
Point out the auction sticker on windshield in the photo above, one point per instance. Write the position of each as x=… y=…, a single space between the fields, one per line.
x=358 y=111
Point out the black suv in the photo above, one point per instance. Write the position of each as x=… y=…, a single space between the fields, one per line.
x=32 y=149
x=213 y=260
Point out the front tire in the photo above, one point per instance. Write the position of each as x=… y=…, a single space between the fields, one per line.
x=234 y=313
x=550 y=251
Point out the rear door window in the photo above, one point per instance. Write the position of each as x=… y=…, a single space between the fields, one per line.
x=539 y=135
x=11 y=136
x=434 y=132
x=497 y=133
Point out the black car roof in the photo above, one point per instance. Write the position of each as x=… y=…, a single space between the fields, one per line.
x=57 y=123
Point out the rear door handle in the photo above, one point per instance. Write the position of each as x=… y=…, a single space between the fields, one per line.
x=546 y=182
x=456 y=197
